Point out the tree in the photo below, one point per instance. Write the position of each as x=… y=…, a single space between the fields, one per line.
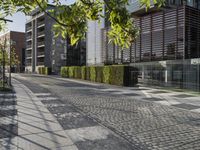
x=8 y=57
x=14 y=58
x=3 y=45
x=71 y=20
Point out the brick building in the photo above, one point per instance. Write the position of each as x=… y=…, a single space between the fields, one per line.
x=17 y=41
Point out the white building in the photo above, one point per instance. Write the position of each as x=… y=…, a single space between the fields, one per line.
x=94 y=42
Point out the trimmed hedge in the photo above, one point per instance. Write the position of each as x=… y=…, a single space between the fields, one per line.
x=115 y=74
x=44 y=70
x=93 y=73
x=99 y=74
x=77 y=72
x=71 y=72
x=64 y=72
x=83 y=73
x=106 y=74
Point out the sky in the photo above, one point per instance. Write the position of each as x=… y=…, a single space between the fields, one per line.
x=19 y=19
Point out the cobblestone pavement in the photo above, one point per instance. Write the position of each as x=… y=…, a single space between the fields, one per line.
x=133 y=116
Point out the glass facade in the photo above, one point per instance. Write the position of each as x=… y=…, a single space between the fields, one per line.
x=134 y=5
x=176 y=73
x=167 y=50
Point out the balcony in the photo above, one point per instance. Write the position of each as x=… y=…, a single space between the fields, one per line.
x=28 y=58
x=41 y=33
x=28 y=64
x=28 y=29
x=41 y=44
x=28 y=38
x=28 y=55
x=40 y=63
x=40 y=24
x=40 y=54
x=28 y=46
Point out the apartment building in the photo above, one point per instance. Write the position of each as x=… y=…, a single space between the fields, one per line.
x=15 y=40
x=43 y=49
x=167 y=50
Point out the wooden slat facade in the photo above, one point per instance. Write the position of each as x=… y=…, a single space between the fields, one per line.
x=166 y=35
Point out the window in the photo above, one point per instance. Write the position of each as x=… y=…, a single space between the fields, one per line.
x=198 y=4
x=190 y=3
x=175 y=2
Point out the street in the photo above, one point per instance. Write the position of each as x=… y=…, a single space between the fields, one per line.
x=102 y=117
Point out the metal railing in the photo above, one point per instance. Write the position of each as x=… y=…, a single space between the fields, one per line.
x=28 y=46
x=40 y=53
x=28 y=55
x=40 y=43
x=40 y=33
x=41 y=23
x=40 y=63
x=28 y=28
x=28 y=37
x=28 y=64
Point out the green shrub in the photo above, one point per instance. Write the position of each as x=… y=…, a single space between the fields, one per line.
x=64 y=72
x=93 y=73
x=77 y=72
x=71 y=72
x=83 y=72
x=117 y=75
x=106 y=74
x=99 y=74
x=44 y=70
x=87 y=69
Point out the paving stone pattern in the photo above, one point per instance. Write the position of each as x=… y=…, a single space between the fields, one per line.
x=71 y=118
x=8 y=112
x=142 y=122
x=145 y=125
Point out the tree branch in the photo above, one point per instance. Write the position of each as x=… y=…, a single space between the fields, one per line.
x=86 y=3
x=43 y=9
x=107 y=5
x=6 y=20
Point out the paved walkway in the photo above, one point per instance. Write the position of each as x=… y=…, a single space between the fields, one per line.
x=26 y=124
x=136 y=114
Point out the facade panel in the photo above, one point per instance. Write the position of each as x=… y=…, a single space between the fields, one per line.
x=166 y=49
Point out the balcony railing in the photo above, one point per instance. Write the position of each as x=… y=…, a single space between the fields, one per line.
x=28 y=46
x=28 y=55
x=28 y=63
x=28 y=37
x=41 y=43
x=28 y=28
x=41 y=23
x=40 y=63
x=40 y=53
x=40 y=33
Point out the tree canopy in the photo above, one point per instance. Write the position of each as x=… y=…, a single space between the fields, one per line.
x=71 y=20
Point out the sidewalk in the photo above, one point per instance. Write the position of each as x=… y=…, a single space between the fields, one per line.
x=27 y=124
